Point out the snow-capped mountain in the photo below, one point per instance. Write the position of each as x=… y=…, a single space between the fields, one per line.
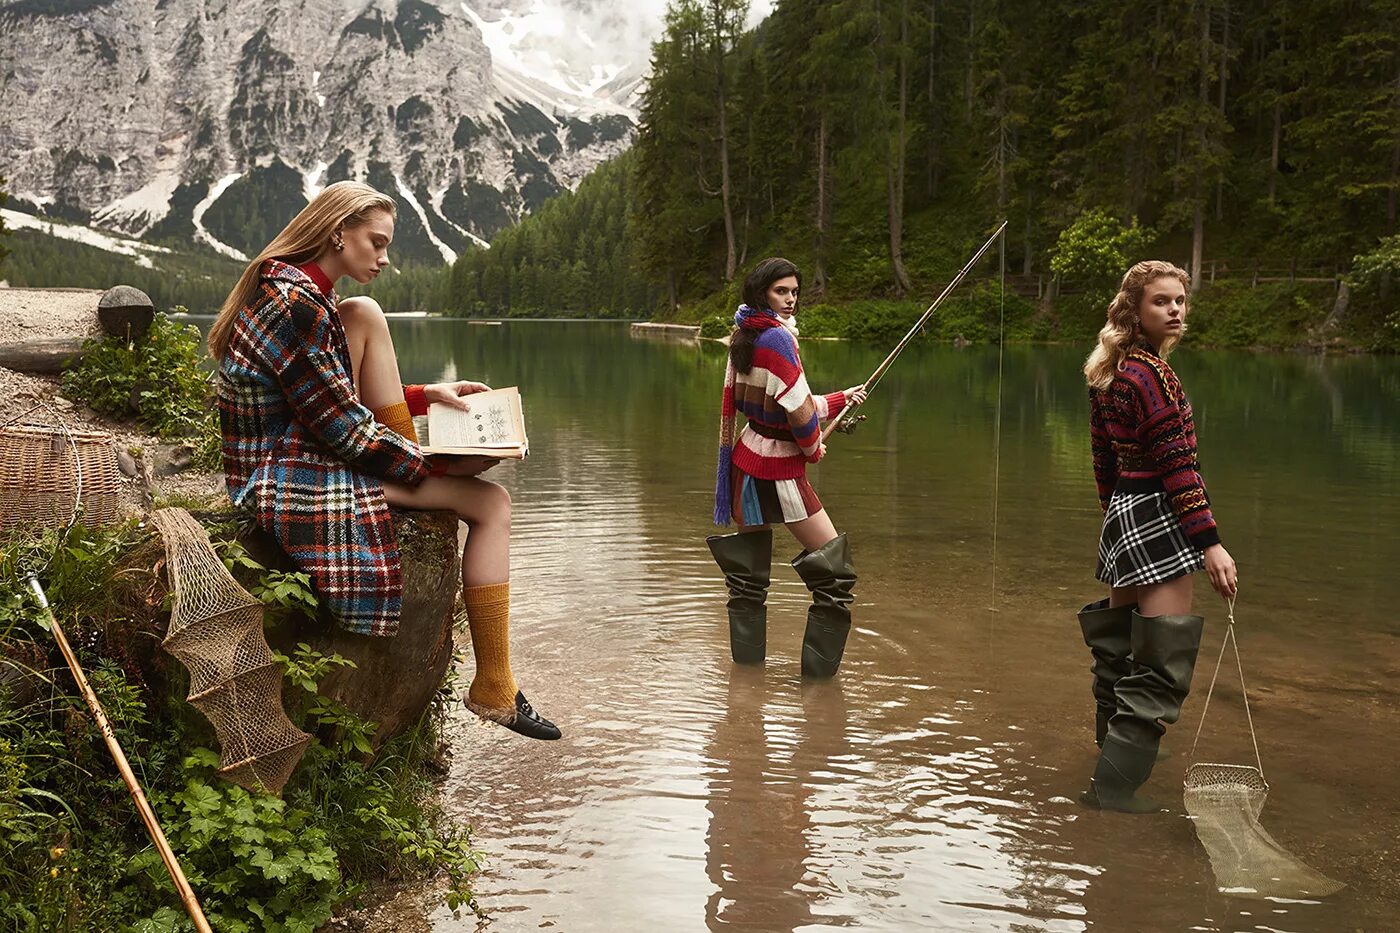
x=214 y=121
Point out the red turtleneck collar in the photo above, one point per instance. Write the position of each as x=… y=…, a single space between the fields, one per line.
x=318 y=276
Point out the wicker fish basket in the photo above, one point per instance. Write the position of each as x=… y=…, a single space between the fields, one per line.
x=50 y=475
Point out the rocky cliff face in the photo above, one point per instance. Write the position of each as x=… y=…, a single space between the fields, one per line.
x=213 y=120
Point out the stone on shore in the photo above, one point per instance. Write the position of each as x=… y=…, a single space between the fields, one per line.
x=124 y=311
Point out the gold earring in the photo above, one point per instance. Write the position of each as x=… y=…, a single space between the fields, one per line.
x=338 y=244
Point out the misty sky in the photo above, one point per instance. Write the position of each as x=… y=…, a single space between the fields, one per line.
x=580 y=36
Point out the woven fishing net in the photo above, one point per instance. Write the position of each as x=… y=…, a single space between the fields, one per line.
x=1225 y=802
x=216 y=632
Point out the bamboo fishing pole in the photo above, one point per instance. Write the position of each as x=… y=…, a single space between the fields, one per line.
x=143 y=807
x=869 y=384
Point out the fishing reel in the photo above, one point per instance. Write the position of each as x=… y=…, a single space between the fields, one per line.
x=848 y=424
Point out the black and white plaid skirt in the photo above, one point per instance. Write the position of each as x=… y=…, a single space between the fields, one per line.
x=1143 y=542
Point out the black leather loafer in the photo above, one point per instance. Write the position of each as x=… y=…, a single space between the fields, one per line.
x=529 y=723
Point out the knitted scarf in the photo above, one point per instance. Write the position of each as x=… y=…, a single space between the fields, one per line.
x=749 y=319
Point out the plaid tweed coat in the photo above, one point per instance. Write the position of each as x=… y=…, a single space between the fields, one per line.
x=306 y=457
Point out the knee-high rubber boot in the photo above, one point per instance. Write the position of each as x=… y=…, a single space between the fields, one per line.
x=747 y=562
x=1149 y=696
x=1108 y=633
x=830 y=577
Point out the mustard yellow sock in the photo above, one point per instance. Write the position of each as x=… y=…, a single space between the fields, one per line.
x=396 y=418
x=492 y=693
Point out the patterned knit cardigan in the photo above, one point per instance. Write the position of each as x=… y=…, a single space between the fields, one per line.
x=774 y=396
x=1143 y=437
x=304 y=454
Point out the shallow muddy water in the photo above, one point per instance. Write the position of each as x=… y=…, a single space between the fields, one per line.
x=928 y=787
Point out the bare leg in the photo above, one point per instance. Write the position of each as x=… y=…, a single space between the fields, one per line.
x=483 y=505
x=373 y=364
x=814 y=531
x=1172 y=598
x=1122 y=596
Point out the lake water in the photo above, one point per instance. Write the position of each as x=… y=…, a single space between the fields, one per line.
x=925 y=788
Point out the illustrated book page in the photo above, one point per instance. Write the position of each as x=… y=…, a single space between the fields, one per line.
x=493 y=427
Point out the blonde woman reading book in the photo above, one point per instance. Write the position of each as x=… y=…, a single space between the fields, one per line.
x=318 y=438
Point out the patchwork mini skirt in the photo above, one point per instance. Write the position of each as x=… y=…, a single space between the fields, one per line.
x=1142 y=542
x=771 y=501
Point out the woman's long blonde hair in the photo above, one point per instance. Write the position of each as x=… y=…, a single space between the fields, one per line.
x=1120 y=333
x=343 y=204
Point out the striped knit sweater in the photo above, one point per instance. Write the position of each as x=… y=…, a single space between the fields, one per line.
x=1144 y=438
x=782 y=435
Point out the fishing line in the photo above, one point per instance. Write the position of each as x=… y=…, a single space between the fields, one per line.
x=996 y=443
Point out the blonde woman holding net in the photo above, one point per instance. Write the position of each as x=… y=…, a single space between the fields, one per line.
x=318 y=438
x=1158 y=530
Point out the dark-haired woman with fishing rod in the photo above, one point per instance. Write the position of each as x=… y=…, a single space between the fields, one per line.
x=762 y=476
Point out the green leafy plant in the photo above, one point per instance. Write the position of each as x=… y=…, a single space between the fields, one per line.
x=157 y=378
x=260 y=864
x=1097 y=248
x=288 y=590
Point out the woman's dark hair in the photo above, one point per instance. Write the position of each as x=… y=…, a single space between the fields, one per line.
x=755 y=295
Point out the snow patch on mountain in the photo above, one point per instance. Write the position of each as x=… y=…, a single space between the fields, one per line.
x=449 y=255
x=141 y=252
x=138 y=211
x=203 y=235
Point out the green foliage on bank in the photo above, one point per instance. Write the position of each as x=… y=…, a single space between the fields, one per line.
x=73 y=853
x=159 y=379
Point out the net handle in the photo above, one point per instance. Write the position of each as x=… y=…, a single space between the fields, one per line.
x=1231 y=640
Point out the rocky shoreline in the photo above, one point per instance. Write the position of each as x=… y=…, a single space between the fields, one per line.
x=151 y=468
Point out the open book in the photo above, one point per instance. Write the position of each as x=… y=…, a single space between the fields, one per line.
x=494 y=427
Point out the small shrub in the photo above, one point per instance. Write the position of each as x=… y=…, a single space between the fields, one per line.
x=1095 y=251
x=259 y=864
x=716 y=326
x=157 y=379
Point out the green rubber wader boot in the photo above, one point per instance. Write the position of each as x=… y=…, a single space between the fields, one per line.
x=1108 y=633
x=829 y=576
x=1149 y=696
x=747 y=562
x=1122 y=769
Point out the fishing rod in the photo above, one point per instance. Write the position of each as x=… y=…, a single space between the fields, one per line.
x=133 y=786
x=839 y=423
